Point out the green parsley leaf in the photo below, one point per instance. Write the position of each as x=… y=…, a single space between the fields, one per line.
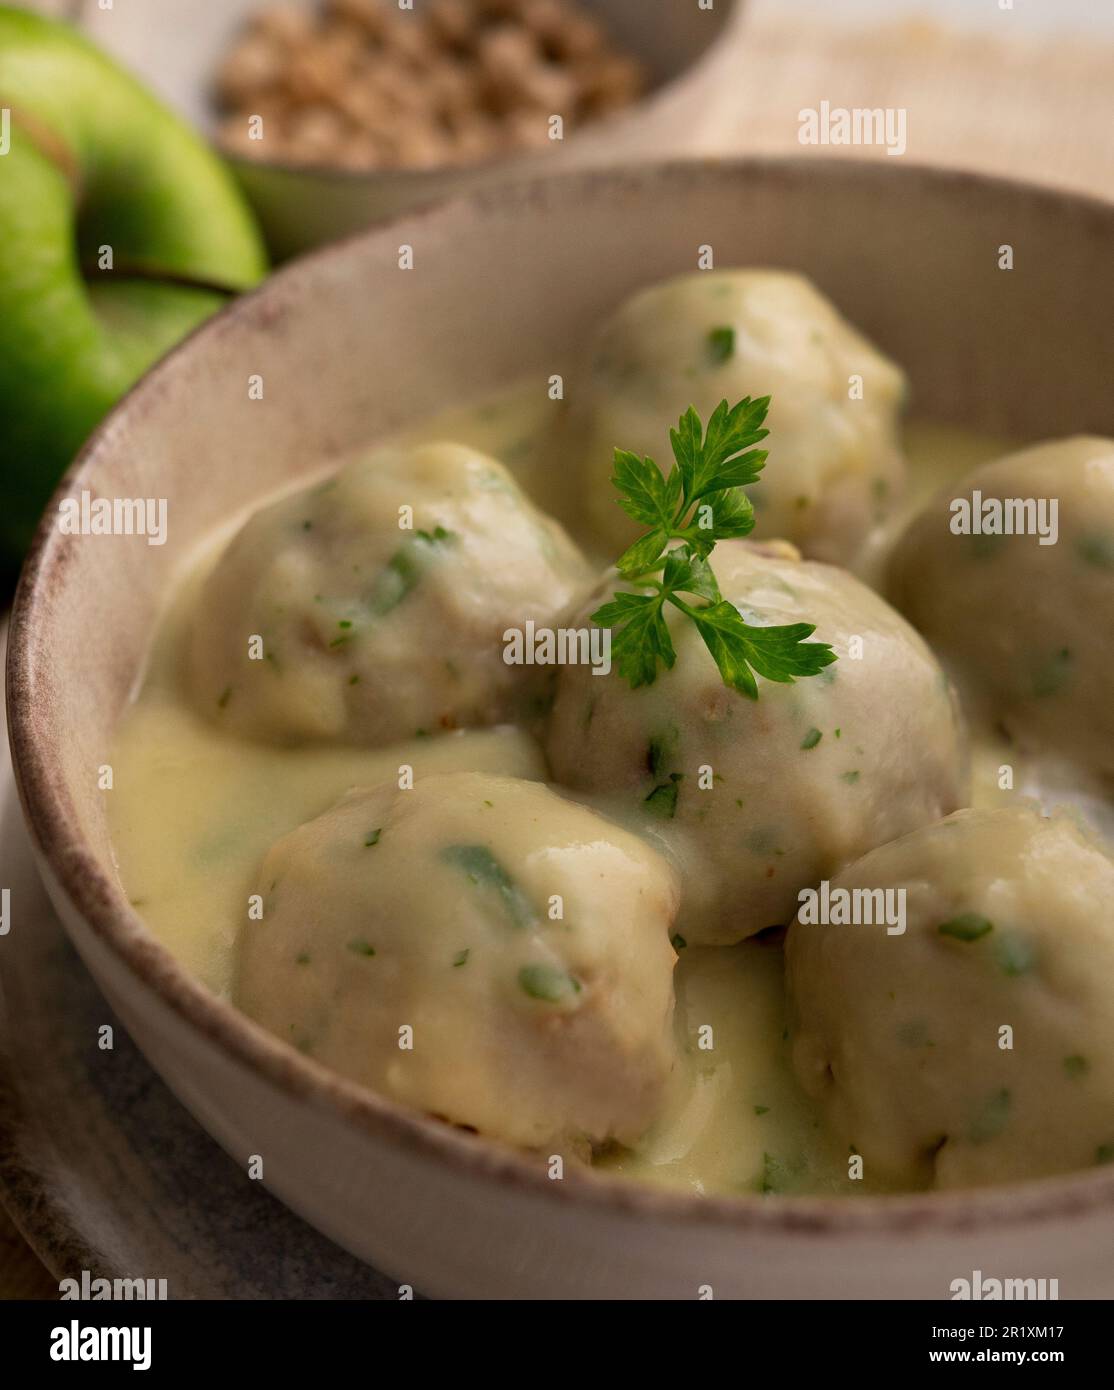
x=712 y=464
x=779 y=653
x=686 y=573
x=700 y=502
x=648 y=496
x=720 y=516
x=707 y=458
x=641 y=556
x=642 y=640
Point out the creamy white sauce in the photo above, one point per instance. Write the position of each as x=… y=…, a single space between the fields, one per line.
x=194 y=811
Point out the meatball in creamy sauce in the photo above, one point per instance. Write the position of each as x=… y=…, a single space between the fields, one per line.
x=478 y=947
x=760 y=799
x=374 y=604
x=836 y=466
x=1010 y=576
x=578 y=917
x=975 y=1045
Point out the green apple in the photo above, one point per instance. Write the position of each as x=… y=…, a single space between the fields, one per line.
x=120 y=231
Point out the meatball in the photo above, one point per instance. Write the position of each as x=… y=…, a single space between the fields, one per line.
x=1021 y=616
x=977 y=1046
x=835 y=464
x=758 y=798
x=374 y=606
x=522 y=939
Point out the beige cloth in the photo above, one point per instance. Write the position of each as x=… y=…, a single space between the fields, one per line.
x=998 y=101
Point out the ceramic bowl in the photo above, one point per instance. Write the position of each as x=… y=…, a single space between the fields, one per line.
x=690 y=51
x=348 y=346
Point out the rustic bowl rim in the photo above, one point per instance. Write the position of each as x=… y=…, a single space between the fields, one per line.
x=39 y=764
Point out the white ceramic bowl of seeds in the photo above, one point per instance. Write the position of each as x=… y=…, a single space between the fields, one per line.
x=367 y=108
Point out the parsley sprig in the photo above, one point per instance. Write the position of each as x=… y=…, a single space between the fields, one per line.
x=700 y=501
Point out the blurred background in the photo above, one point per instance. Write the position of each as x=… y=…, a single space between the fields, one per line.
x=1018 y=87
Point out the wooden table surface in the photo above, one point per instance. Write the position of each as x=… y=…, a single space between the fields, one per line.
x=998 y=100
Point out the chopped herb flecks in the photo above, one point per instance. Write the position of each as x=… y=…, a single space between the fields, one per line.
x=662 y=801
x=721 y=344
x=773 y=1175
x=811 y=739
x=991 y=1121
x=968 y=926
x=1015 y=953
x=405 y=568
x=484 y=870
x=360 y=947
x=548 y=983
x=1052 y=675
